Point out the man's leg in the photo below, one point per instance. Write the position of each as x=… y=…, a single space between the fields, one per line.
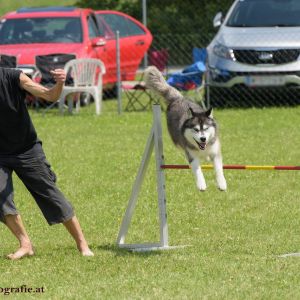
x=15 y=224
x=36 y=173
x=10 y=216
x=74 y=229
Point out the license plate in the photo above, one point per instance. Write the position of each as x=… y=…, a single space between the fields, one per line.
x=264 y=80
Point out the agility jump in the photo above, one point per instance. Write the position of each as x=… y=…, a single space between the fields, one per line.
x=155 y=142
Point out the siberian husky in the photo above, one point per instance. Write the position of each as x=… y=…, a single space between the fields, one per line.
x=191 y=128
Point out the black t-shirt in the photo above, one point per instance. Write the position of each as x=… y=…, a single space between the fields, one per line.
x=17 y=133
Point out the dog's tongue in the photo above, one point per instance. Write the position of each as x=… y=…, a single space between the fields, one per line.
x=202 y=146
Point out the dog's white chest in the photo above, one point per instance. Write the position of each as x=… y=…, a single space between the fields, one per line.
x=205 y=154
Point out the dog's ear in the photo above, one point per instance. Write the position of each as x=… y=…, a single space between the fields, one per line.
x=190 y=113
x=209 y=113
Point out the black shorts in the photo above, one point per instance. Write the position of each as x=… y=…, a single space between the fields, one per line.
x=35 y=172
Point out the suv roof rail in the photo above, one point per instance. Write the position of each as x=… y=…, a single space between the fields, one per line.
x=45 y=9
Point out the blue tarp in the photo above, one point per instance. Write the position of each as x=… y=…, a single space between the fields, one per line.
x=189 y=78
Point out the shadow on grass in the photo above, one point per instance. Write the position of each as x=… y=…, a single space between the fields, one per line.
x=123 y=252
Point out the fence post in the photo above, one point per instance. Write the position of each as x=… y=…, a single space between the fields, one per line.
x=144 y=9
x=119 y=89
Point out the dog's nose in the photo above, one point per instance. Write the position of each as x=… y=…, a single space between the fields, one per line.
x=203 y=139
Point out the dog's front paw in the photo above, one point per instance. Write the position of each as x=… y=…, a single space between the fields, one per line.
x=201 y=186
x=222 y=185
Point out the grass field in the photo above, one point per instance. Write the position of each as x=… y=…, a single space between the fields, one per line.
x=235 y=237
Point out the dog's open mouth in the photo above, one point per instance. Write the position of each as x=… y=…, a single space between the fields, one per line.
x=202 y=145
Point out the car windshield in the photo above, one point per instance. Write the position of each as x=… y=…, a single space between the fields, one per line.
x=265 y=13
x=40 y=30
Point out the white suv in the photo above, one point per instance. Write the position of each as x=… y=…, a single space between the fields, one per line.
x=254 y=59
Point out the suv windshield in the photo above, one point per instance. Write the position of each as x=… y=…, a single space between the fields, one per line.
x=265 y=13
x=40 y=30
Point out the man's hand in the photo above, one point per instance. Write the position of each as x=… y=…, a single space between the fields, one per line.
x=39 y=91
x=59 y=75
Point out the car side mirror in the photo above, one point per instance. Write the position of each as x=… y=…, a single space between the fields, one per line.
x=98 y=42
x=218 y=19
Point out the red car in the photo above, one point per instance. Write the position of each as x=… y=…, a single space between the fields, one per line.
x=29 y=32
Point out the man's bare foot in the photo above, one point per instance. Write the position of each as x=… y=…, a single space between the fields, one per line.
x=85 y=250
x=21 y=252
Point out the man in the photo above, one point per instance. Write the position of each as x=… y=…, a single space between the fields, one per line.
x=21 y=152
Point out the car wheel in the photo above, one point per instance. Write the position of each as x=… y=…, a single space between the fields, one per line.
x=111 y=93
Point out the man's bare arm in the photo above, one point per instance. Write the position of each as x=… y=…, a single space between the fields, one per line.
x=50 y=94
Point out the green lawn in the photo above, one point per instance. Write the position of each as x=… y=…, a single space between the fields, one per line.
x=235 y=237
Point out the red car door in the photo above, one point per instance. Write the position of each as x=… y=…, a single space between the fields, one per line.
x=135 y=40
x=102 y=49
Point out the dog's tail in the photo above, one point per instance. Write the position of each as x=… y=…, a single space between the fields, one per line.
x=156 y=82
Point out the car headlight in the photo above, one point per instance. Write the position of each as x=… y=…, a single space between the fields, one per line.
x=223 y=51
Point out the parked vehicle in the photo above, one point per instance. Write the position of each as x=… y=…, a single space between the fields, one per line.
x=29 y=32
x=255 y=56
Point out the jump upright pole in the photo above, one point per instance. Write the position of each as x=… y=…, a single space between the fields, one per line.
x=155 y=142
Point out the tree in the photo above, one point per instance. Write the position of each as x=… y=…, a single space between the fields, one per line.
x=164 y=15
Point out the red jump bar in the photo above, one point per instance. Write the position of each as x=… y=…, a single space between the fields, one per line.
x=235 y=167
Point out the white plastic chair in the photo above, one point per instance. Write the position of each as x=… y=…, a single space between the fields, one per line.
x=87 y=76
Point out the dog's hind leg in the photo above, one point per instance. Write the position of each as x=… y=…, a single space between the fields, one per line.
x=218 y=165
x=197 y=171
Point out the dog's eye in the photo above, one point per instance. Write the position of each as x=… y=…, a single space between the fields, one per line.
x=196 y=129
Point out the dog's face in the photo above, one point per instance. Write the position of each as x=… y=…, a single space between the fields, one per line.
x=200 y=129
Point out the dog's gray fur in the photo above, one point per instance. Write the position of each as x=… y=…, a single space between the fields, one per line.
x=191 y=128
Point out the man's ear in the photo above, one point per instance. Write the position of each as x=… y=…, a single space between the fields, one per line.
x=209 y=113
